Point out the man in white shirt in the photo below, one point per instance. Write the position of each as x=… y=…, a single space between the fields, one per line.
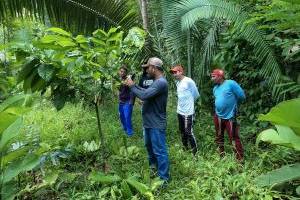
x=187 y=93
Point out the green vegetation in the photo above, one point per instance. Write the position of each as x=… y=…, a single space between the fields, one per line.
x=79 y=174
x=60 y=135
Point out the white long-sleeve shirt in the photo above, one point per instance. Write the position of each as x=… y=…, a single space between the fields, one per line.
x=187 y=93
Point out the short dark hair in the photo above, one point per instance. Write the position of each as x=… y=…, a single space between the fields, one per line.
x=124 y=66
x=159 y=68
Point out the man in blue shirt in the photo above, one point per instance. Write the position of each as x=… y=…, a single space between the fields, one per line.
x=228 y=94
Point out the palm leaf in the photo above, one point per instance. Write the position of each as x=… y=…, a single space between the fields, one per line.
x=208 y=50
x=74 y=15
x=182 y=15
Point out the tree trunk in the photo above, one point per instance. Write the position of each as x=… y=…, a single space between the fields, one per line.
x=99 y=125
x=188 y=45
x=105 y=165
x=143 y=8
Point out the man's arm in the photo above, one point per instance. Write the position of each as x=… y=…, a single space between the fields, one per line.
x=194 y=90
x=238 y=91
x=144 y=94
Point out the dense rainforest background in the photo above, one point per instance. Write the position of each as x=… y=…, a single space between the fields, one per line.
x=60 y=134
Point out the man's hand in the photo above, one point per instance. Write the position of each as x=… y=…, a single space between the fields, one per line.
x=140 y=102
x=129 y=82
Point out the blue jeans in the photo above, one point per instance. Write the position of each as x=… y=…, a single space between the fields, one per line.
x=125 y=112
x=155 y=142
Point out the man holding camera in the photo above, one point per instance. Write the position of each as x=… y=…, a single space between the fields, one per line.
x=154 y=115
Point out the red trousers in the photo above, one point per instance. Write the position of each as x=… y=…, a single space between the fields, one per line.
x=232 y=128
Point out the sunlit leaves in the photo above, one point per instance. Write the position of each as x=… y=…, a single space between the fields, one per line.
x=59 y=31
x=284 y=136
x=281 y=175
x=78 y=61
x=28 y=163
x=81 y=39
x=9 y=133
x=104 y=178
x=285 y=113
x=46 y=72
x=285 y=116
x=13 y=161
x=135 y=38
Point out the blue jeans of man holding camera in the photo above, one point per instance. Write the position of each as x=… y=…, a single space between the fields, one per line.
x=155 y=142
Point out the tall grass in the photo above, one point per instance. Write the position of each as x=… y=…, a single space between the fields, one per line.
x=204 y=176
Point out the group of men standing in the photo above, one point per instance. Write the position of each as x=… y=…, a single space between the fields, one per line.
x=153 y=91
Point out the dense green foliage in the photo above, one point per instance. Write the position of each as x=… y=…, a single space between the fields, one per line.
x=203 y=177
x=78 y=16
x=70 y=145
x=285 y=117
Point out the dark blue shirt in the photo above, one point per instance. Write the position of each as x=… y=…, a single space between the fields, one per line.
x=155 y=103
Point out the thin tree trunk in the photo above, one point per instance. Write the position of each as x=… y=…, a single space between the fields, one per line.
x=3 y=29
x=143 y=7
x=1 y=173
x=103 y=149
x=188 y=41
x=99 y=125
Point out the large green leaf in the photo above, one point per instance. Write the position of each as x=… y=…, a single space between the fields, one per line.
x=11 y=132
x=10 y=110
x=135 y=38
x=16 y=110
x=6 y=119
x=283 y=136
x=81 y=39
x=100 y=177
x=27 y=69
x=98 y=42
x=59 y=100
x=28 y=81
x=140 y=187
x=13 y=155
x=116 y=37
x=22 y=165
x=12 y=101
x=37 y=84
x=58 y=40
x=49 y=39
x=284 y=174
x=46 y=71
x=66 y=43
x=298 y=190
x=59 y=31
x=285 y=113
x=100 y=34
x=126 y=190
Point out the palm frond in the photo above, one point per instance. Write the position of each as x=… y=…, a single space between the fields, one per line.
x=75 y=15
x=182 y=15
x=281 y=90
x=208 y=50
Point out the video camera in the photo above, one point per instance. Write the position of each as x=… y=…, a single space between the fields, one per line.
x=131 y=76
